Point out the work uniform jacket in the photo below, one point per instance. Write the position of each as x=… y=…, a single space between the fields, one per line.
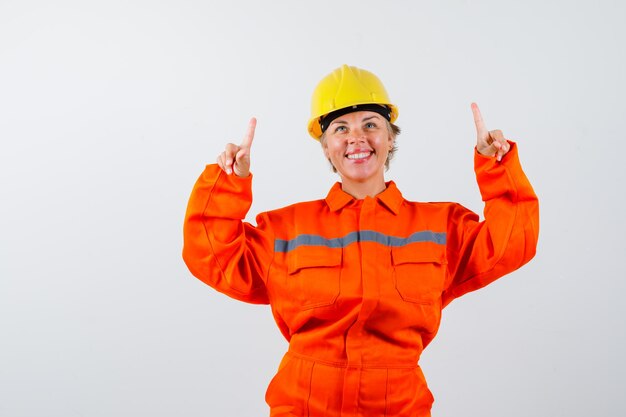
x=357 y=286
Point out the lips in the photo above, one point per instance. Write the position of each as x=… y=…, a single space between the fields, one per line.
x=359 y=155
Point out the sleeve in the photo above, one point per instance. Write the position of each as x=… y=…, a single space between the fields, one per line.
x=220 y=249
x=480 y=252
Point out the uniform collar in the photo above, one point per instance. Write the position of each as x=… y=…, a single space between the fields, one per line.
x=391 y=198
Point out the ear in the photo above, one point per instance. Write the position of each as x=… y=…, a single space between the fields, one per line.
x=325 y=149
x=390 y=141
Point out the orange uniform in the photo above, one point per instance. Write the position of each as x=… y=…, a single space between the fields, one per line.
x=357 y=286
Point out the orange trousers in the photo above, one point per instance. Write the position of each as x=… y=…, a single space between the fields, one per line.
x=357 y=286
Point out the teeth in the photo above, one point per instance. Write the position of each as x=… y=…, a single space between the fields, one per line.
x=361 y=155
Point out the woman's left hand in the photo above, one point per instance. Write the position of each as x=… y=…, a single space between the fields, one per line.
x=489 y=142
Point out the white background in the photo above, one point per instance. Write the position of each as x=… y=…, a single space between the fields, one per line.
x=109 y=111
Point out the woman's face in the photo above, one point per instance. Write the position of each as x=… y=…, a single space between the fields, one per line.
x=357 y=144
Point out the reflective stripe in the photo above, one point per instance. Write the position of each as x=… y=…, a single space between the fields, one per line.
x=359 y=236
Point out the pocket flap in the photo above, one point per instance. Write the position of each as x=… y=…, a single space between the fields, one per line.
x=419 y=253
x=313 y=257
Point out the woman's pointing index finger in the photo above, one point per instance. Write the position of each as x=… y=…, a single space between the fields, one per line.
x=249 y=136
x=478 y=120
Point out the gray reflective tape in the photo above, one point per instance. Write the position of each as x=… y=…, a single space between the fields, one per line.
x=360 y=236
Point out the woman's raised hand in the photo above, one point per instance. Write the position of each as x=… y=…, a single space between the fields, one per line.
x=236 y=158
x=489 y=142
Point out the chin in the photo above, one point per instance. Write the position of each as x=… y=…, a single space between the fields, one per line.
x=360 y=175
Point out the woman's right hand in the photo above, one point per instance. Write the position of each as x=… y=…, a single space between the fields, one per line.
x=236 y=158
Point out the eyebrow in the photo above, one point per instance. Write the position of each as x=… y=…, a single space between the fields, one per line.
x=343 y=122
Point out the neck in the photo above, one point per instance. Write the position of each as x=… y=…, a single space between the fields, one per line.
x=360 y=190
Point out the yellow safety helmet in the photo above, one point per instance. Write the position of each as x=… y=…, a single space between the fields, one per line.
x=348 y=89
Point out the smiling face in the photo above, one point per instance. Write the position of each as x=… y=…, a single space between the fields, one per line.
x=357 y=144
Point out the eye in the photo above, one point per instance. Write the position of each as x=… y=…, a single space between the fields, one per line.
x=370 y=125
x=340 y=129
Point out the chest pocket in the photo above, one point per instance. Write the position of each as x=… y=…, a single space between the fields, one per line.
x=419 y=272
x=314 y=275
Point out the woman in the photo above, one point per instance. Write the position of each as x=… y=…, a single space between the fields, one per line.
x=357 y=281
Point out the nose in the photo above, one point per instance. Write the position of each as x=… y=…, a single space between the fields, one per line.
x=357 y=136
